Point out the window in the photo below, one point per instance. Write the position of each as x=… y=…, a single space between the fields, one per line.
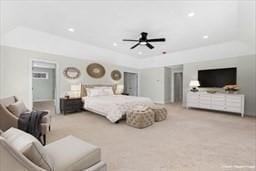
x=40 y=75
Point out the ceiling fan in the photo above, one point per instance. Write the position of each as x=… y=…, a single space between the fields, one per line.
x=143 y=40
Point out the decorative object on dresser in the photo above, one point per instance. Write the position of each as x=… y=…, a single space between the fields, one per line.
x=72 y=73
x=218 y=101
x=194 y=84
x=231 y=88
x=95 y=70
x=116 y=75
x=70 y=105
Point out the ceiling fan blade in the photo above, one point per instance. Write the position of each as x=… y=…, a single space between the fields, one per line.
x=149 y=46
x=130 y=40
x=135 y=46
x=156 y=40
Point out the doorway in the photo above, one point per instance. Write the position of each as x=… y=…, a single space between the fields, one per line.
x=131 y=83
x=44 y=86
x=178 y=87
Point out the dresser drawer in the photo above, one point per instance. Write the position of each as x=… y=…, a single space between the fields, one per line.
x=233 y=98
x=233 y=109
x=218 y=107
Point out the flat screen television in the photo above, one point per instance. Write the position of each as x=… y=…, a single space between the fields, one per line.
x=217 y=77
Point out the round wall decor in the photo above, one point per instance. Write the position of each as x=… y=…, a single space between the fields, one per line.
x=116 y=75
x=72 y=73
x=96 y=70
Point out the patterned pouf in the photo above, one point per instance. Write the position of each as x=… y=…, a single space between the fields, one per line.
x=140 y=118
x=160 y=113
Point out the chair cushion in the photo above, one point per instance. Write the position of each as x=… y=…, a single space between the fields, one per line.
x=17 y=108
x=71 y=153
x=30 y=147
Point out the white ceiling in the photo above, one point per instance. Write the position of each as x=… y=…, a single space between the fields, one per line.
x=101 y=23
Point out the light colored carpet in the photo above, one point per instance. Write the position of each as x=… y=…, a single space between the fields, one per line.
x=188 y=140
x=45 y=105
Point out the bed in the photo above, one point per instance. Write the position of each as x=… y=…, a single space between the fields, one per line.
x=112 y=106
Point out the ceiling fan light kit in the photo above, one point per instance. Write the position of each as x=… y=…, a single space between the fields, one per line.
x=143 y=40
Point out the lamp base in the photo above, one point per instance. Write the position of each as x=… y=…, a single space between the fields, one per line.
x=194 y=90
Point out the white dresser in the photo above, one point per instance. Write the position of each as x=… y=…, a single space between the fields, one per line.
x=218 y=101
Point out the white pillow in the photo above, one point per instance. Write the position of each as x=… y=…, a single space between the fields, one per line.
x=109 y=91
x=92 y=92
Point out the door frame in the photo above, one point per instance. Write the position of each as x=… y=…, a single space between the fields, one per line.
x=172 y=84
x=57 y=82
x=137 y=81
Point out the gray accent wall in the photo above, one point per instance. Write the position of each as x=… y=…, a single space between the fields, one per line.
x=246 y=77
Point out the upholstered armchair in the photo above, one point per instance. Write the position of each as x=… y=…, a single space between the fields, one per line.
x=8 y=119
x=25 y=153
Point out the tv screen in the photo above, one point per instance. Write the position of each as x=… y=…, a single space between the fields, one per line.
x=217 y=77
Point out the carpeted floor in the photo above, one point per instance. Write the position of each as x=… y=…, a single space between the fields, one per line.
x=189 y=140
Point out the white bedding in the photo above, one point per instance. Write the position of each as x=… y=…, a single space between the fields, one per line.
x=115 y=106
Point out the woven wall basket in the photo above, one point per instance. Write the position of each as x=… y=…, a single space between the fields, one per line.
x=96 y=70
x=116 y=75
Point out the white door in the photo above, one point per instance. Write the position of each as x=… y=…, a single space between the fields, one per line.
x=131 y=83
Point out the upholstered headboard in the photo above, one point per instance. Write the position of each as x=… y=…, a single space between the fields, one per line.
x=84 y=86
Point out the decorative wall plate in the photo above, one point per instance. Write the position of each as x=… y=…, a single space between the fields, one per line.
x=72 y=73
x=116 y=75
x=96 y=70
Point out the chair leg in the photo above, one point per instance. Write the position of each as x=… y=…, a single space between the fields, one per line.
x=49 y=128
x=44 y=139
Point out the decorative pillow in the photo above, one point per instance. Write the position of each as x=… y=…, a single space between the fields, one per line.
x=92 y=92
x=30 y=147
x=36 y=153
x=109 y=91
x=17 y=108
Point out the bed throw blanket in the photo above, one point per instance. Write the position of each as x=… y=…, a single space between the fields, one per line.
x=30 y=122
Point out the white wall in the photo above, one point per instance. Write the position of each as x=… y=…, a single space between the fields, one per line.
x=156 y=84
x=246 y=77
x=15 y=65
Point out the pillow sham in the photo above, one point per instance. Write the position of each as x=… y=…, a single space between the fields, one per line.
x=109 y=91
x=92 y=92
x=17 y=108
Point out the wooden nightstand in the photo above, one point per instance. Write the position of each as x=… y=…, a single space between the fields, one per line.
x=71 y=105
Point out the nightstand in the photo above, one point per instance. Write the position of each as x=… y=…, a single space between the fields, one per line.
x=71 y=105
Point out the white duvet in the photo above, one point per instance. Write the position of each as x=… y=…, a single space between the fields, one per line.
x=115 y=106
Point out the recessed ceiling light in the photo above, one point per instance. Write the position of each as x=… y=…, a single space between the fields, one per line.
x=191 y=14
x=71 y=29
x=205 y=36
x=140 y=53
x=114 y=44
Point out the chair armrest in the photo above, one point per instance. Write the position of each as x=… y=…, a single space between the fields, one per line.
x=7 y=119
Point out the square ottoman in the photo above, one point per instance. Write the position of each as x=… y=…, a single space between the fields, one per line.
x=160 y=113
x=140 y=118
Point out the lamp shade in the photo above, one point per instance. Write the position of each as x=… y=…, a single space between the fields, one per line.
x=194 y=83
x=119 y=89
x=75 y=87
